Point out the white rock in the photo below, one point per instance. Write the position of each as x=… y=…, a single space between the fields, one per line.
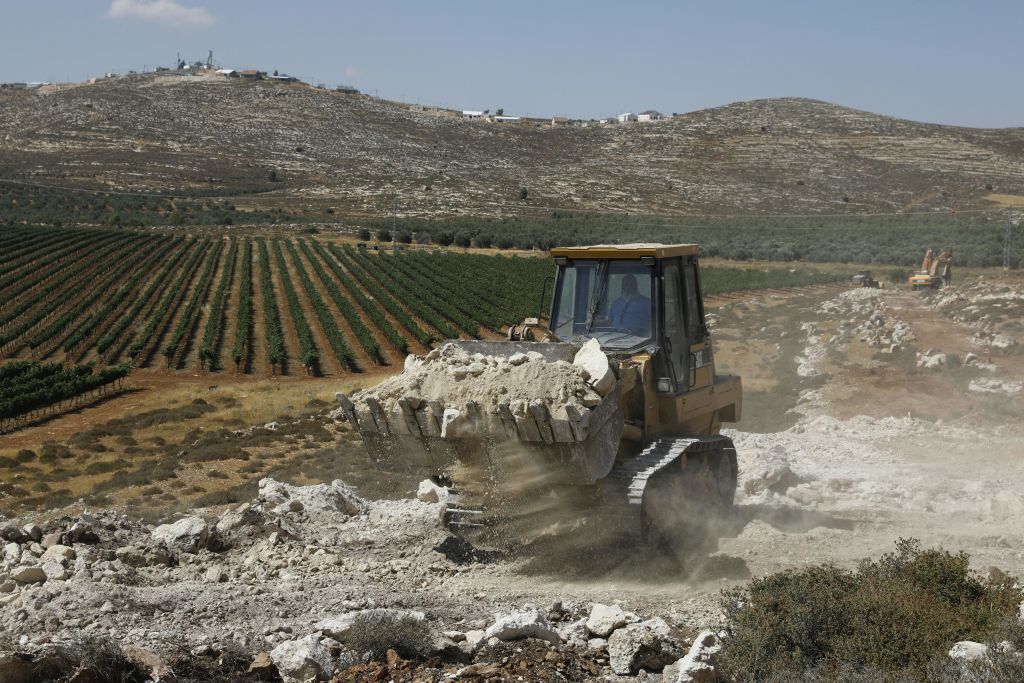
x=699 y=664
x=302 y=660
x=272 y=426
x=449 y=422
x=58 y=553
x=31 y=574
x=604 y=619
x=598 y=644
x=475 y=638
x=646 y=645
x=12 y=553
x=243 y=515
x=215 y=575
x=188 y=534
x=968 y=651
x=429 y=492
x=517 y=359
x=55 y=571
x=334 y=497
x=517 y=625
x=574 y=632
x=592 y=359
x=412 y=362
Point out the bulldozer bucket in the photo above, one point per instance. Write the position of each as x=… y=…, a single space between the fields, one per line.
x=434 y=438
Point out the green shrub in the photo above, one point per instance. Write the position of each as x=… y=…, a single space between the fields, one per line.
x=376 y=632
x=893 y=615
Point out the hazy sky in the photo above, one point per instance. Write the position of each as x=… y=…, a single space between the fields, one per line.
x=937 y=60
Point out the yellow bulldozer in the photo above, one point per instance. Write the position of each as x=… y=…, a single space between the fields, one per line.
x=648 y=451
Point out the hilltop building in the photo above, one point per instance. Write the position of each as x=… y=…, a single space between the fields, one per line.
x=627 y=117
x=347 y=89
x=649 y=115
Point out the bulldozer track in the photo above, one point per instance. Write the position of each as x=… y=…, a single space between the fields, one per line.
x=632 y=476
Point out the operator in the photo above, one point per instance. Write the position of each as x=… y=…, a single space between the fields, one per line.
x=947 y=269
x=632 y=310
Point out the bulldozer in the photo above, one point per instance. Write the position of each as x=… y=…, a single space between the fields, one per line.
x=648 y=455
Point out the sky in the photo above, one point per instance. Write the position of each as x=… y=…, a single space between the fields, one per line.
x=938 y=61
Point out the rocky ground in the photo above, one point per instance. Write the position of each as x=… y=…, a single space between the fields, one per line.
x=875 y=440
x=357 y=153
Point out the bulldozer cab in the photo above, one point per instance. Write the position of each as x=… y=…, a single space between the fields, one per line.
x=637 y=299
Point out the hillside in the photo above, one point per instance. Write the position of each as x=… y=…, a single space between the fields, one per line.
x=354 y=154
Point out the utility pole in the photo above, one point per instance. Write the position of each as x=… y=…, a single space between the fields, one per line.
x=1006 y=240
x=394 y=223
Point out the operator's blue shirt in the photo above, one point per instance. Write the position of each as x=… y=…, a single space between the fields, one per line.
x=633 y=313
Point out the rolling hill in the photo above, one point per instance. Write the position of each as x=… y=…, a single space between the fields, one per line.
x=355 y=154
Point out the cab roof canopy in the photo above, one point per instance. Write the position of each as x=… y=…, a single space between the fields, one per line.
x=626 y=251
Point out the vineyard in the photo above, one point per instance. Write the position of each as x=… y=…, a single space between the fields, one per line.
x=299 y=306
x=29 y=390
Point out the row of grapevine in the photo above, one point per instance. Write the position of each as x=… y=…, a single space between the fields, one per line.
x=190 y=316
x=242 y=350
x=214 y=330
x=87 y=299
x=308 y=353
x=76 y=341
x=371 y=309
x=275 y=333
x=366 y=338
x=141 y=347
x=376 y=291
x=47 y=302
x=31 y=389
x=425 y=290
x=388 y=279
x=114 y=340
x=342 y=350
x=49 y=276
x=462 y=289
x=30 y=255
x=30 y=246
x=512 y=283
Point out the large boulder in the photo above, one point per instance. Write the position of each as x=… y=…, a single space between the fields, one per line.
x=188 y=534
x=518 y=625
x=591 y=358
x=58 y=553
x=604 y=619
x=30 y=574
x=429 y=492
x=337 y=496
x=700 y=663
x=646 y=645
x=303 y=660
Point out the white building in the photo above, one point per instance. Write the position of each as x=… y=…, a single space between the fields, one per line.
x=472 y=114
x=649 y=115
x=627 y=117
x=506 y=119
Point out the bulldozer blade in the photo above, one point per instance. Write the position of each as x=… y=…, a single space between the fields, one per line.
x=432 y=437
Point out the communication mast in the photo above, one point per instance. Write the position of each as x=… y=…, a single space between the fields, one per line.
x=209 y=60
